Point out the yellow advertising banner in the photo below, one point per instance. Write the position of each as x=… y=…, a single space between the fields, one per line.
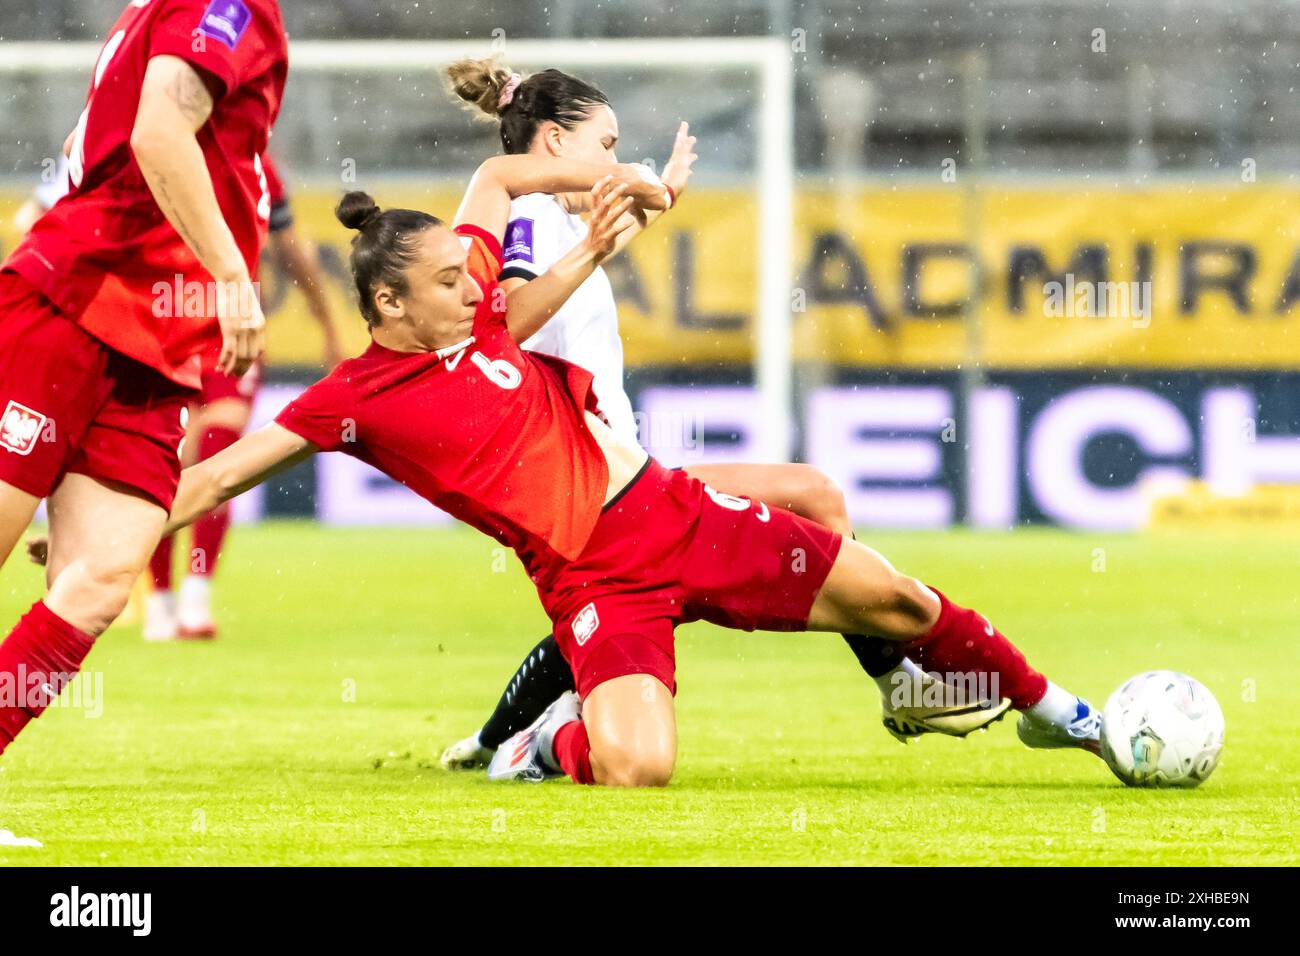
x=1170 y=276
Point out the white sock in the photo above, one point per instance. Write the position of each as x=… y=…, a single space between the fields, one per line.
x=195 y=587
x=1058 y=706
x=905 y=675
x=161 y=603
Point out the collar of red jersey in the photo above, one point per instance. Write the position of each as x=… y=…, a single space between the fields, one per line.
x=451 y=350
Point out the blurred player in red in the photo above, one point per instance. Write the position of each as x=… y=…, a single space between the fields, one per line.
x=217 y=419
x=621 y=550
x=112 y=298
x=219 y=416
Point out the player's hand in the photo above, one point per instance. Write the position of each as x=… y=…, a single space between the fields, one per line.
x=243 y=327
x=611 y=209
x=677 y=171
x=645 y=188
x=38 y=549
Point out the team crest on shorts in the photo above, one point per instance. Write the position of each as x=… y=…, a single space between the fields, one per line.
x=20 y=428
x=585 y=624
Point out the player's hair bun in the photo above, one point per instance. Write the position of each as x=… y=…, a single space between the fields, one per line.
x=357 y=210
x=480 y=83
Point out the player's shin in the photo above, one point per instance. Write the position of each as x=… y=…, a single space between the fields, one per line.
x=39 y=657
x=160 y=564
x=210 y=530
x=572 y=750
x=876 y=656
x=964 y=643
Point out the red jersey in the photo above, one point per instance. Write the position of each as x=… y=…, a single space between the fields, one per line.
x=490 y=433
x=281 y=216
x=104 y=251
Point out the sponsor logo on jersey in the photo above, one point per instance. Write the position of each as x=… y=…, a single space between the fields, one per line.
x=519 y=240
x=20 y=428
x=226 y=20
x=585 y=624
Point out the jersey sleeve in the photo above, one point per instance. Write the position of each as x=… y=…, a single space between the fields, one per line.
x=324 y=414
x=216 y=36
x=484 y=253
x=531 y=244
x=484 y=266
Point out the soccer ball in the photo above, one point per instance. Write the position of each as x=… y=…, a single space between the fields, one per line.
x=1162 y=729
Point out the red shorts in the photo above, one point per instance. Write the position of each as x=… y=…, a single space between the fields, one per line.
x=69 y=403
x=217 y=385
x=669 y=550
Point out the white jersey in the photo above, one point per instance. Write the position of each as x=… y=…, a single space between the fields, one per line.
x=585 y=329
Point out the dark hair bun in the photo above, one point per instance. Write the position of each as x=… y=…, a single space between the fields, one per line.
x=357 y=210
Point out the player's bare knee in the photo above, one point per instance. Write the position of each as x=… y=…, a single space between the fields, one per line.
x=636 y=767
x=91 y=596
x=824 y=500
x=915 y=604
x=652 y=772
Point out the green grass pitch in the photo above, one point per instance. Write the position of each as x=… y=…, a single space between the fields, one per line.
x=309 y=732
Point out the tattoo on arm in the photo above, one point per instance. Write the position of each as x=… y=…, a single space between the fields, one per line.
x=182 y=227
x=191 y=96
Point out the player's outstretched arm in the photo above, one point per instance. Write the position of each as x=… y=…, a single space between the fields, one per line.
x=174 y=104
x=502 y=178
x=531 y=306
x=229 y=473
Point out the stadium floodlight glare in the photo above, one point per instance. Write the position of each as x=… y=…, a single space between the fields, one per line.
x=769 y=57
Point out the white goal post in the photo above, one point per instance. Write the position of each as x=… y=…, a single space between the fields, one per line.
x=768 y=57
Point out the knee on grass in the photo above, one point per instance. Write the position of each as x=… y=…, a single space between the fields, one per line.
x=633 y=767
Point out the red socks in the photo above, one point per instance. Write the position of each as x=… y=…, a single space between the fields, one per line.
x=160 y=565
x=39 y=657
x=573 y=751
x=210 y=530
x=963 y=641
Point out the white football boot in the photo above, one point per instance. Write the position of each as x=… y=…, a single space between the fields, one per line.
x=194 y=609
x=467 y=754
x=160 y=622
x=1083 y=730
x=529 y=754
x=926 y=707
